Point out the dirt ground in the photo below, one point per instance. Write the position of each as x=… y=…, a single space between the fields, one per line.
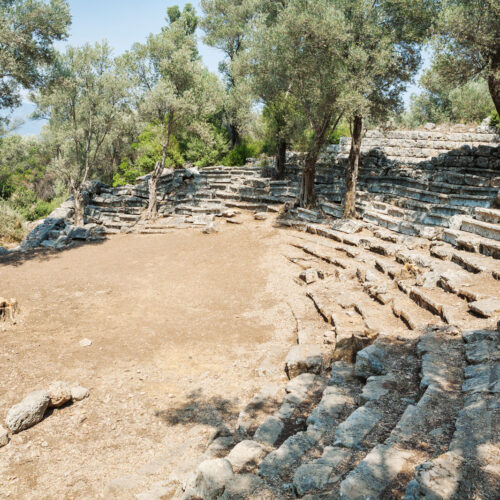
x=185 y=328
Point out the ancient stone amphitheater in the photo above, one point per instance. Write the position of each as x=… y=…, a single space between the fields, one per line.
x=394 y=389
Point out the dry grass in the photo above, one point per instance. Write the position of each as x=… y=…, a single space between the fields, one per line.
x=12 y=227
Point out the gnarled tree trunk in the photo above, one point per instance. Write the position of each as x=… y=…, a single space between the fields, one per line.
x=160 y=165
x=351 y=178
x=494 y=81
x=234 y=136
x=78 y=206
x=307 y=196
x=152 y=189
x=280 y=159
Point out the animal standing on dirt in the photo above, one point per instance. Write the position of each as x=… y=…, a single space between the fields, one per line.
x=8 y=308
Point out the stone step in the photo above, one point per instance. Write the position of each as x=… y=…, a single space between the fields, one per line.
x=483 y=229
x=427 y=422
x=490 y=215
x=471 y=464
x=465 y=241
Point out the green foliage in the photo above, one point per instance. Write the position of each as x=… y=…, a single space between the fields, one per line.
x=495 y=120
x=26 y=203
x=28 y=29
x=466 y=43
x=442 y=102
x=341 y=130
x=239 y=154
x=86 y=104
x=12 y=228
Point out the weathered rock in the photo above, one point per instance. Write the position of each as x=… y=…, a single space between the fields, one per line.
x=313 y=476
x=280 y=461
x=486 y=307
x=28 y=412
x=348 y=226
x=246 y=454
x=60 y=393
x=4 y=437
x=309 y=275
x=260 y=216
x=377 y=387
x=437 y=479
x=78 y=393
x=371 y=361
x=77 y=233
x=304 y=358
x=242 y=487
x=374 y=473
x=352 y=432
x=85 y=343
x=269 y=431
x=210 y=228
x=211 y=478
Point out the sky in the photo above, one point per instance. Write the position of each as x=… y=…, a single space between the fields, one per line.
x=122 y=23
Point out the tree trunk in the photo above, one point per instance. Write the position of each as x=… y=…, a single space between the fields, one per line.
x=307 y=196
x=160 y=165
x=78 y=206
x=494 y=81
x=234 y=136
x=280 y=159
x=351 y=178
x=152 y=188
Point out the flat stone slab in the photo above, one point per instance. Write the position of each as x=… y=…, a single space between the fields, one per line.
x=352 y=432
x=348 y=226
x=314 y=476
x=441 y=475
x=287 y=455
x=486 y=307
x=269 y=431
x=374 y=473
x=370 y=361
x=324 y=416
x=304 y=358
x=241 y=487
x=482 y=378
x=246 y=454
x=482 y=352
x=377 y=387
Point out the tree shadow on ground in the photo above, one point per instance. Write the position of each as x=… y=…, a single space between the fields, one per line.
x=41 y=254
x=200 y=409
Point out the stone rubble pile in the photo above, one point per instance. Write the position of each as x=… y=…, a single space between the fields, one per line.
x=403 y=403
x=31 y=410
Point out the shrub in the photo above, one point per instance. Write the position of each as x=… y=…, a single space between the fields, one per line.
x=239 y=154
x=495 y=120
x=12 y=229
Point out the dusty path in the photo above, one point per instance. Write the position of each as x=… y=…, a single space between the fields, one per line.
x=185 y=327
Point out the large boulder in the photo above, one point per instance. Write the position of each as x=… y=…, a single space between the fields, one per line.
x=28 y=412
x=211 y=479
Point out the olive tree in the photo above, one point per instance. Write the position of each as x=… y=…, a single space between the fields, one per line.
x=174 y=90
x=385 y=53
x=467 y=44
x=84 y=103
x=225 y=23
x=28 y=29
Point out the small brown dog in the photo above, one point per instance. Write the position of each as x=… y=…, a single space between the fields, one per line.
x=8 y=309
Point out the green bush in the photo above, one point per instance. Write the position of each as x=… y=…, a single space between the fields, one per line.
x=342 y=130
x=239 y=154
x=495 y=119
x=12 y=229
x=26 y=203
